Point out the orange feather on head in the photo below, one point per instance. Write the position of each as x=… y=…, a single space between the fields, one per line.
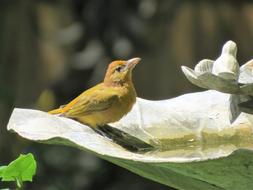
x=120 y=72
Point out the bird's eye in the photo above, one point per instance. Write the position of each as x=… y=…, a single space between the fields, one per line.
x=118 y=69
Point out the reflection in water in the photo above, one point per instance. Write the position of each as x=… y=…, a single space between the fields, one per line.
x=201 y=151
x=210 y=145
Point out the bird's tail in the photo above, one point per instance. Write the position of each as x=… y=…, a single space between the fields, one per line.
x=56 y=111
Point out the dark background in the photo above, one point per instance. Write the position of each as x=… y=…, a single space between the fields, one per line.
x=52 y=50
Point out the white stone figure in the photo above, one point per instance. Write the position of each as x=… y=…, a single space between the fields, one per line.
x=226 y=66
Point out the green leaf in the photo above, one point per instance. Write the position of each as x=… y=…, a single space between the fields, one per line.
x=2 y=168
x=21 y=169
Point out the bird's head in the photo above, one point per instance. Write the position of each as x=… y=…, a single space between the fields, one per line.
x=120 y=72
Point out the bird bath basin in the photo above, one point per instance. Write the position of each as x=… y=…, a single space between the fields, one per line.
x=201 y=140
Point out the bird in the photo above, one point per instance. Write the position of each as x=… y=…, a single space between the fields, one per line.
x=226 y=66
x=107 y=101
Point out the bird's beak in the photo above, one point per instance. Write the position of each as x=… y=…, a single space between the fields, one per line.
x=131 y=63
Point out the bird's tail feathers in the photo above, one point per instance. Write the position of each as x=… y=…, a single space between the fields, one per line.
x=58 y=111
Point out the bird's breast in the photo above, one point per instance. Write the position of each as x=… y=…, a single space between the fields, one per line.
x=122 y=106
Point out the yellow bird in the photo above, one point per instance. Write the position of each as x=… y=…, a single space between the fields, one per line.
x=106 y=102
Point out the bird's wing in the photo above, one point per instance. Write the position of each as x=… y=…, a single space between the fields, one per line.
x=93 y=101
